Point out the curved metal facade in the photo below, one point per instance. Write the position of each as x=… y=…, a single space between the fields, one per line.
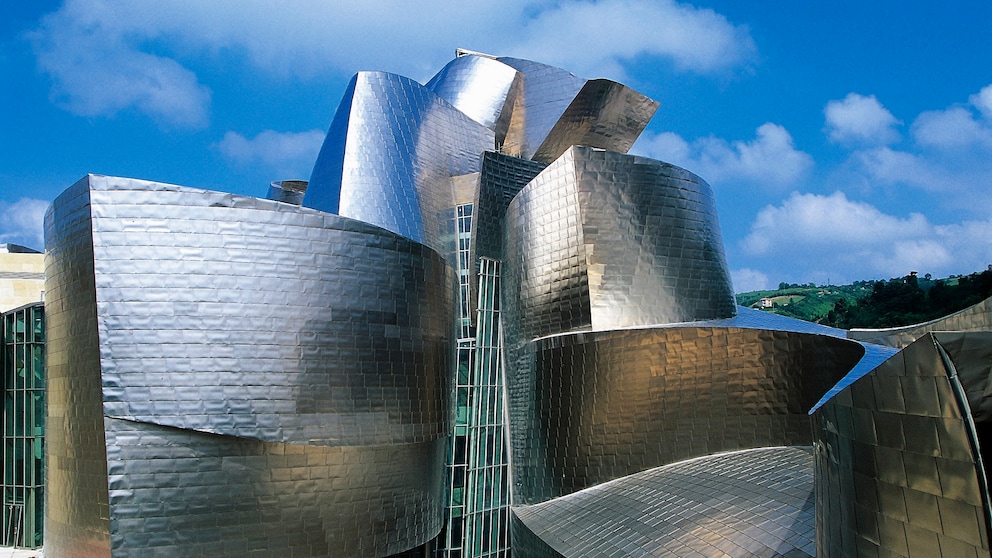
x=601 y=240
x=899 y=460
x=389 y=156
x=974 y=318
x=587 y=408
x=547 y=91
x=604 y=114
x=253 y=368
x=482 y=88
x=464 y=283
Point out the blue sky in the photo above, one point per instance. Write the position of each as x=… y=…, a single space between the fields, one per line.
x=844 y=140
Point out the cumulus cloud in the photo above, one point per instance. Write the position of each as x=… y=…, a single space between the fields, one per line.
x=885 y=165
x=950 y=157
x=23 y=222
x=747 y=280
x=770 y=160
x=818 y=236
x=860 y=119
x=613 y=31
x=288 y=154
x=983 y=101
x=950 y=129
x=105 y=56
x=97 y=71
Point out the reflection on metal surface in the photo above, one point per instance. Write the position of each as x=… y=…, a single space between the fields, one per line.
x=465 y=294
x=604 y=114
x=482 y=88
x=600 y=240
x=288 y=191
x=546 y=93
x=974 y=318
x=392 y=145
x=240 y=354
x=748 y=503
x=897 y=462
x=587 y=408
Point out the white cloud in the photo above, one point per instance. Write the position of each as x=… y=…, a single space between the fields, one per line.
x=770 y=160
x=813 y=235
x=23 y=222
x=666 y=146
x=289 y=154
x=888 y=166
x=595 y=38
x=96 y=71
x=107 y=56
x=860 y=119
x=747 y=280
x=983 y=101
x=953 y=128
x=950 y=158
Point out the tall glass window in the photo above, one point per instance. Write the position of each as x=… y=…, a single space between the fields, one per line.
x=24 y=426
x=486 y=527
x=452 y=542
x=477 y=522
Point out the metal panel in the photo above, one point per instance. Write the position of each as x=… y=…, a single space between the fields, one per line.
x=77 y=517
x=547 y=92
x=587 y=408
x=971 y=354
x=748 y=503
x=604 y=114
x=389 y=155
x=974 y=318
x=898 y=471
x=600 y=240
x=288 y=191
x=480 y=87
x=308 y=348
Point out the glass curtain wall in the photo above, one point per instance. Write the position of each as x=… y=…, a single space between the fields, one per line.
x=453 y=535
x=24 y=425
x=486 y=521
x=478 y=500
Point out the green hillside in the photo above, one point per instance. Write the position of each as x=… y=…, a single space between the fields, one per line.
x=874 y=304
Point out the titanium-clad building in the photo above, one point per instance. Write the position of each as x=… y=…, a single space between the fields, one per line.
x=235 y=376
x=481 y=328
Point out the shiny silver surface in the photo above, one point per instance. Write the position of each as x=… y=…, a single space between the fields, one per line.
x=267 y=378
x=591 y=407
x=476 y=329
x=77 y=497
x=604 y=114
x=547 y=92
x=389 y=156
x=898 y=460
x=747 y=503
x=601 y=240
x=482 y=88
x=287 y=191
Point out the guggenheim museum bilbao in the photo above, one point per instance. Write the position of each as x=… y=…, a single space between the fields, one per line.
x=481 y=328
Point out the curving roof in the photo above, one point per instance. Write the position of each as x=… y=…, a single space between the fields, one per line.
x=746 y=503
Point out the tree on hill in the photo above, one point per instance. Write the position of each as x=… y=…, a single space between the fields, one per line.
x=902 y=301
